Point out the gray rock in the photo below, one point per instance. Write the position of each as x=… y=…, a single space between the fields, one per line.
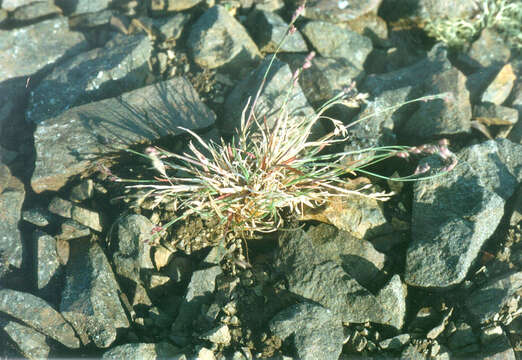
x=47 y=262
x=38 y=314
x=5 y=177
x=395 y=342
x=83 y=191
x=87 y=217
x=268 y=29
x=132 y=257
x=13 y=4
x=497 y=163
x=490 y=49
x=316 y=333
x=11 y=200
x=478 y=82
x=90 y=301
x=171 y=28
x=452 y=216
x=218 y=335
x=37 y=216
x=98 y=74
x=84 y=6
x=326 y=77
x=34 y=10
x=29 y=342
x=448 y=116
x=199 y=292
x=337 y=12
x=142 y=351
x=273 y=95
x=164 y=7
x=91 y=20
x=29 y=49
x=71 y=143
x=491 y=114
x=463 y=340
x=218 y=40
x=487 y=301
x=73 y=230
x=430 y=9
x=496 y=345
x=318 y=276
x=61 y=207
x=340 y=42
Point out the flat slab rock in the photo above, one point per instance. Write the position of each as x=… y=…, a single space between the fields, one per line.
x=68 y=144
x=38 y=314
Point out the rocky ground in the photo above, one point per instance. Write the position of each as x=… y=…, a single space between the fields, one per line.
x=436 y=272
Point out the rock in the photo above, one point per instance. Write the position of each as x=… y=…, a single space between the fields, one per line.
x=138 y=351
x=452 y=216
x=362 y=217
x=10 y=5
x=273 y=96
x=463 y=340
x=490 y=114
x=325 y=79
x=87 y=217
x=119 y=66
x=440 y=117
x=490 y=49
x=164 y=7
x=319 y=276
x=88 y=21
x=29 y=342
x=90 y=299
x=497 y=163
x=371 y=26
x=170 y=28
x=202 y=353
x=83 y=191
x=219 y=335
x=84 y=6
x=132 y=257
x=429 y=9
x=268 y=29
x=73 y=230
x=341 y=43
x=97 y=128
x=47 y=261
x=499 y=90
x=11 y=200
x=487 y=301
x=478 y=82
x=38 y=314
x=37 y=216
x=61 y=207
x=316 y=333
x=5 y=177
x=199 y=292
x=34 y=11
x=218 y=40
x=496 y=345
x=337 y=12
x=29 y=49
x=395 y=342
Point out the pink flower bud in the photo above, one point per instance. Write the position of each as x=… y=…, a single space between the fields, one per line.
x=297 y=13
x=421 y=169
x=444 y=152
x=415 y=150
x=402 y=154
x=444 y=142
x=292 y=30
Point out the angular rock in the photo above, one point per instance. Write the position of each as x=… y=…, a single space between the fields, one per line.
x=268 y=29
x=82 y=191
x=439 y=117
x=316 y=332
x=90 y=299
x=138 y=351
x=30 y=343
x=340 y=42
x=490 y=49
x=322 y=279
x=37 y=216
x=491 y=114
x=496 y=345
x=337 y=12
x=372 y=26
x=478 y=82
x=61 y=207
x=87 y=21
x=13 y=4
x=498 y=91
x=163 y=7
x=273 y=96
x=132 y=257
x=11 y=200
x=199 y=292
x=5 y=177
x=84 y=6
x=35 y=10
x=38 y=314
x=47 y=261
x=73 y=230
x=430 y=9
x=29 y=49
x=487 y=301
x=87 y=217
x=497 y=163
x=452 y=216
x=120 y=66
x=395 y=342
x=218 y=40
x=219 y=335
x=170 y=28
x=71 y=143
x=326 y=77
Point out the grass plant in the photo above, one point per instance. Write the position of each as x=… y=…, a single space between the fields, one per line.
x=265 y=173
